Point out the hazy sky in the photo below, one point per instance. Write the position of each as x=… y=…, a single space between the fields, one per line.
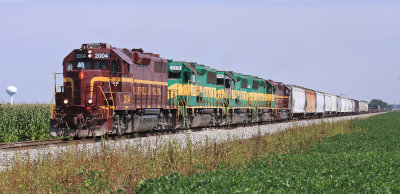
x=349 y=47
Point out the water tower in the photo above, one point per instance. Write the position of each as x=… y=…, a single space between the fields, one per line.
x=11 y=90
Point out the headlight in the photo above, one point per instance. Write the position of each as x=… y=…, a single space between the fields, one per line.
x=66 y=101
x=90 y=101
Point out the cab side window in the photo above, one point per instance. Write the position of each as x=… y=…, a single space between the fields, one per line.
x=69 y=66
x=269 y=89
x=185 y=78
x=80 y=65
x=227 y=83
x=115 y=67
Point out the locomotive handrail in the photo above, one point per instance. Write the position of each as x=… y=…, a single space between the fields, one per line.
x=52 y=106
x=54 y=94
x=112 y=97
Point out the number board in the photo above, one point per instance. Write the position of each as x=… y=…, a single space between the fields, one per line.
x=80 y=56
x=220 y=76
x=176 y=68
x=101 y=55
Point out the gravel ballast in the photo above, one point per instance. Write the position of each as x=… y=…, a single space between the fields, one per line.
x=197 y=137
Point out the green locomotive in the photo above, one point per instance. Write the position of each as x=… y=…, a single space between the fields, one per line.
x=192 y=88
x=207 y=97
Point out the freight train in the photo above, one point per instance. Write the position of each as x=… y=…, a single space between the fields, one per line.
x=109 y=90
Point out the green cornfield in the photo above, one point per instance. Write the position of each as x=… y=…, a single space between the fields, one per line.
x=24 y=122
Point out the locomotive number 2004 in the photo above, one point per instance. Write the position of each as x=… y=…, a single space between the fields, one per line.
x=80 y=56
x=101 y=56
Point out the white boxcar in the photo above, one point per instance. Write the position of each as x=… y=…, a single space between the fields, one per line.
x=339 y=104
x=334 y=103
x=353 y=106
x=363 y=106
x=328 y=103
x=298 y=100
x=347 y=105
x=350 y=101
x=320 y=102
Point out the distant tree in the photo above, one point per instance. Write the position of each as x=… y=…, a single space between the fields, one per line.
x=377 y=102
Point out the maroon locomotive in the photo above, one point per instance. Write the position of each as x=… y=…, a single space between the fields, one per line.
x=111 y=90
x=282 y=100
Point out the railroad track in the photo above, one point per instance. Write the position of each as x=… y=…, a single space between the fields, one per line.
x=58 y=142
x=34 y=144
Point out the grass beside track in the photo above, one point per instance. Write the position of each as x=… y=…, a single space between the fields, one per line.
x=365 y=161
x=24 y=122
x=122 y=169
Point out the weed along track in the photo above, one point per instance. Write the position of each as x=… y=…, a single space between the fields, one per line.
x=147 y=142
x=360 y=156
x=123 y=165
x=67 y=141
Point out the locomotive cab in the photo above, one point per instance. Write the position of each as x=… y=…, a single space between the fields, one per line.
x=86 y=72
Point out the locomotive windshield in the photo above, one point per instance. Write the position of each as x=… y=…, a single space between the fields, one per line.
x=93 y=64
x=174 y=75
x=220 y=81
x=97 y=64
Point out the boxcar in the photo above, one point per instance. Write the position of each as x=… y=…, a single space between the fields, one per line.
x=328 y=104
x=298 y=101
x=311 y=102
x=349 y=106
x=334 y=104
x=339 y=109
x=344 y=105
x=320 y=104
x=360 y=106
x=363 y=106
x=356 y=106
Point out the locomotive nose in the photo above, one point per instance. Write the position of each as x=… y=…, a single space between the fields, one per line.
x=79 y=87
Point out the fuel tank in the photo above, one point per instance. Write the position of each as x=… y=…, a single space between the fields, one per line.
x=145 y=122
x=266 y=117
x=239 y=118
x=201 y=120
